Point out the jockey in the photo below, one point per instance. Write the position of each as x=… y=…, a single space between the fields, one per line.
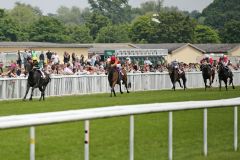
x=114 y=62
x=224 y=60
x=36 y=66
x=207 y=59
x=175 y=65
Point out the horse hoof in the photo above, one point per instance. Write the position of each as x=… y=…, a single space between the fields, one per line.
x=121 y=92
x=128 y=92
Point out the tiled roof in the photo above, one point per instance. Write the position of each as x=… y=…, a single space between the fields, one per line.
x=101 y=47
x=42 y=45
x=216 y=48
x=170 y=46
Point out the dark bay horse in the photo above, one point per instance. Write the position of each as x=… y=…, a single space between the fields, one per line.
x=208 y=73
x=113 y=79
x=175 y=76
x=35 y=80
x=223 y=75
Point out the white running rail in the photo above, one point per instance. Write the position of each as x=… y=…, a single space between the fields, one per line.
x=32 y=120
x=14 y=88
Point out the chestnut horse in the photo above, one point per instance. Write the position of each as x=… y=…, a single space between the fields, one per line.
x=113 y=79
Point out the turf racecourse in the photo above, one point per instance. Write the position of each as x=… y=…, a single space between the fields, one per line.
x=109 y=137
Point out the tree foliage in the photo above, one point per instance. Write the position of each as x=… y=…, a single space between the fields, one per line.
x=205 y=34
x=231 y=32
x=95 y=22
x=113 y=34
x=170 y=27
x=116 y=10
x=221 y=11
x=48 y=29
x=69 y=15
x=24 y=14
x=79 y=34
x=116 y=21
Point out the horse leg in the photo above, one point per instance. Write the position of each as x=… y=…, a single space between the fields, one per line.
x=125 y=83
x=174 y=88
x=210 y=82
x=184 y=82
x=180 y=84
x=120 y=88
x=225 y=81
x=231 y=82
x=41 y=89
x=113 y=90
x=44 y=88
x=28 y=87
x=220 y=84
x=205 y=82
x=31 y=94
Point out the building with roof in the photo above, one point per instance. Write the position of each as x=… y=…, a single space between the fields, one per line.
x=59 y=48
x=216 y=50
x=183 y=52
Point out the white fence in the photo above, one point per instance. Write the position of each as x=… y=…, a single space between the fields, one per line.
x=89 y=114
x=12 y=88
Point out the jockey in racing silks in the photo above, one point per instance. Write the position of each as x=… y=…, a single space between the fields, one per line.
x=207 y=59
x=114 y=62
x=175 y=65
x=36 y=66
x=224 y=60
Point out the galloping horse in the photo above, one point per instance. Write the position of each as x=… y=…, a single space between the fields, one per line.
x=175 y=76
x=35 y=80
x=223 y=75
x=207 y=73
x=113 y=79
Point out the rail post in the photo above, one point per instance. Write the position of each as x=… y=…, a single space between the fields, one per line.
x=86 y=145
x=170 y=134
x=131 y=139
x=205 y=146
x=32 y=143
x=235 y=128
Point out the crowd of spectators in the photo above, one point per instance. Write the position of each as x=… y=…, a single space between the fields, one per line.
x=74 y=64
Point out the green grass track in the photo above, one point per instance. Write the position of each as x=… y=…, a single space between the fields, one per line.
x=109 y=138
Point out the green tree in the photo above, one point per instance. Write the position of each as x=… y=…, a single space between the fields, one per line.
x=95 y=22
x=117 y=11
x=113 y=34
x=79 y=34
x=167 y=27
x=48 y=29
x=69 y=16
x=24 y=14
x=221 y=11
x=205 y=34
x=231 y=32
x=8 y=28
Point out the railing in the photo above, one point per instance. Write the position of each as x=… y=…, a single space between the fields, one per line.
x=97 y=113
x=14 y=88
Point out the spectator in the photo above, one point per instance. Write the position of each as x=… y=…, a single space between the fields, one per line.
x=67 y=69
x=73 y=57
x=66 y=58
x=1 y=67
x=19 y=60
x=41 y=60
x=49 y=56
x=55 y=58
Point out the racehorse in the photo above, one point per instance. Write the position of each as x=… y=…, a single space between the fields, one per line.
x=113 y=79
x=207 y=73
x=175 y=76
x=223 y=75
x=35 y=80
